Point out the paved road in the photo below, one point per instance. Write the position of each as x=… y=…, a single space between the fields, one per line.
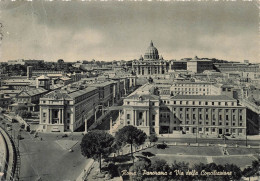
x=209 y=140
x=46 y=159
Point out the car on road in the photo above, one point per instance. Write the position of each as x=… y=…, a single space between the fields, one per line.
x=162 y=146
x=64 y=136
x=70 y=150
x=22 y=126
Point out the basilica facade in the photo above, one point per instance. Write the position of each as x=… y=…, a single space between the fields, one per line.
x=151 y=63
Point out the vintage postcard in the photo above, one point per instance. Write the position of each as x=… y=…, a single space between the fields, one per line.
x=129 y=90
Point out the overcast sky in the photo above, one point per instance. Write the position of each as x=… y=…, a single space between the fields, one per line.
x=123 y=30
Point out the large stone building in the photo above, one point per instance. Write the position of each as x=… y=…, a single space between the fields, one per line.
x=197 y=65
x=151 y=63
x=65 y=110
x=237 y=67
x=190 y=114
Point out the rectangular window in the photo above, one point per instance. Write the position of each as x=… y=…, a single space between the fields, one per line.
x=213 y=123
x=240 y=118
x=128 y=116
x=207 y=129
x=206 y=103
x=44 y=114
x=200 y=116
x=153 y=117
x=153 y=123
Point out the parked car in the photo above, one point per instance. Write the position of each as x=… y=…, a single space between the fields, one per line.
x=162 y=146
x=64 y=136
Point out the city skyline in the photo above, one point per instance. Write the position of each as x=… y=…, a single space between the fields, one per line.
x=123 y=30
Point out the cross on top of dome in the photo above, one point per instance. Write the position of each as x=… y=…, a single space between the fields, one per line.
x=151 y=44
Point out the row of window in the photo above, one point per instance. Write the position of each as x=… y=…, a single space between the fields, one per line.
x=190 y=89
x=207 y=103
x=207 y=117
x=214 y=130
x=206 y=123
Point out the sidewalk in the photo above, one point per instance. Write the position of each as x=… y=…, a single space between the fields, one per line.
x=180 y=135
x=86 y=171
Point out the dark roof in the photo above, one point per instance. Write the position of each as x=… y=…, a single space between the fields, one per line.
x=66 y=94
x=204 y=97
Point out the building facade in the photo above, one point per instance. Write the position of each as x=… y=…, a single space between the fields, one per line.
x=189 y=114
x=151 y=63
x=65 y=111
x=199 y=65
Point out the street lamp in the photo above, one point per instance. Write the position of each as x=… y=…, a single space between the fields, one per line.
x=246 y=137
x=197 y=134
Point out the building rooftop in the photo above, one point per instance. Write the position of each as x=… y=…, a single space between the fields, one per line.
x=204 y=97
x=33 y=92
x=66 y=94
x=143 y=96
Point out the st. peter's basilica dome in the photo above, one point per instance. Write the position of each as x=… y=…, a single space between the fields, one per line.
x=151 y=53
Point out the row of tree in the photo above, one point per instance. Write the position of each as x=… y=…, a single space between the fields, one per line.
x=182 y=171
x=21 y=70
x=99 y=144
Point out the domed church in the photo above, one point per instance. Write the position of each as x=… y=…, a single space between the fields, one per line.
x=151 y=63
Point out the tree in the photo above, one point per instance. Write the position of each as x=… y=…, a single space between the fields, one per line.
x=131 y=135
x=153 y=138
x=138 y=168
x=97 y=144
x=24 y=113
x=235 y=170
x=142 y=167
x=252 y=170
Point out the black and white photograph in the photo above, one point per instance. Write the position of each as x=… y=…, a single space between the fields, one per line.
x=129 y=90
